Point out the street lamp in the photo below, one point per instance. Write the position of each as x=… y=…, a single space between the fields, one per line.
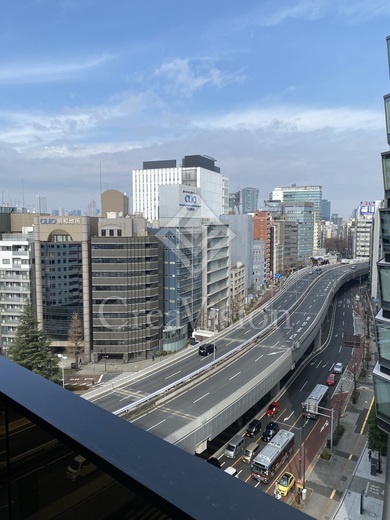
x=63 y=368
x=215 y=320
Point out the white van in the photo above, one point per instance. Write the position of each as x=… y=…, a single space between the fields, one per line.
x=234 y=447
x=79 y=468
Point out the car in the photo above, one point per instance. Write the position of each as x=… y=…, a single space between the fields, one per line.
x=338 y=368
x=231 y=471
x=273 y=409
x=208 y=348
x=353 y=266
x=253 y=428
x=286 y=483
x=331 y=380
x=270 y=431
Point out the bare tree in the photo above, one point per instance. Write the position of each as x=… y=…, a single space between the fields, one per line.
x=75 y=345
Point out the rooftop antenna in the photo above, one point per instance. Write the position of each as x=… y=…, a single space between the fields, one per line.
x=22 y=193
x=100 y=165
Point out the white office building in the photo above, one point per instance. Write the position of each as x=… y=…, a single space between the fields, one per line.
x=197 y=171
x=15 y=283
x=363 y=229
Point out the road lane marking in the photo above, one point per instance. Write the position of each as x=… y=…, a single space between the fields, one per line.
x=203 y=396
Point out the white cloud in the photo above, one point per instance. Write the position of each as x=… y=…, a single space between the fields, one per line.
x=187 y=76
x=11 y=73
x=290 y=118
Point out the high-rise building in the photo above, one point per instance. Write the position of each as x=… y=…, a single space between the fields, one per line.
x=92 y=210
x=215 y=274
x=296 y=193
x=249 y=200
x=302 y=213
x=381 y=373
x=241 y=243
x=285 y=246
x=262 y=231
x=41 y=204
x=16 y=260
x=62 y=275
x=361 y=241
x=259 y=265
x=180 y=232
x=126 y=289
x=325 y=210
x=197 y=171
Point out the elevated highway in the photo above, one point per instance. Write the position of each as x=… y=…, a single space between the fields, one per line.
x=192 y=399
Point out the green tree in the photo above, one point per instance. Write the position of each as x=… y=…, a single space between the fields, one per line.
x=31 y=348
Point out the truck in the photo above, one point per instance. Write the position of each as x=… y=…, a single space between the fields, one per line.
x=317 y=398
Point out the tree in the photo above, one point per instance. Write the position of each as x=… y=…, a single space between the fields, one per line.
x=31 y=348
x=377 y=438
x=75 y=345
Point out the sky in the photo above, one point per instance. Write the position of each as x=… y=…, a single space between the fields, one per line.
x=277 y=92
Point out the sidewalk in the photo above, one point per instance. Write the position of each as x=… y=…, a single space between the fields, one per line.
x=338 y=488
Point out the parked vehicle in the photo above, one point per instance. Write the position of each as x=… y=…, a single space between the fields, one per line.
x=79 y=468
x=338 y=368
x=231 y=471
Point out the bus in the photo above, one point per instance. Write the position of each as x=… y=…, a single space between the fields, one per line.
x=317 y=399
x=268 y=461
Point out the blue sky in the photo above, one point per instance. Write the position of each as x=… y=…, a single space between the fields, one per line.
x=277 y=92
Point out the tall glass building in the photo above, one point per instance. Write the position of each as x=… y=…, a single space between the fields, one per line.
x=381 y=373
x=296 y=193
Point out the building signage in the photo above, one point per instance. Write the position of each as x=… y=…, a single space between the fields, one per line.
x=60 y=221
x=190 y=200
x=367 y=207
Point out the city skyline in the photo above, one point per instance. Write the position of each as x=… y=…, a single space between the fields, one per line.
x=278 y=95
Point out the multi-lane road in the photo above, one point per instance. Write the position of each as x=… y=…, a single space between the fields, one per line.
x=313 y=433
x=210 y=392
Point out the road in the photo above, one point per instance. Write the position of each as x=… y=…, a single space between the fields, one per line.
x=312 y=434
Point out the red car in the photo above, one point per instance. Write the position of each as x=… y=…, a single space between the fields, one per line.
x=273 y=409
x=331 y=380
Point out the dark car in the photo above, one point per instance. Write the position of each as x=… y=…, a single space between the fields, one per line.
x=205 y=350
x=253 y=428
x=270 y=431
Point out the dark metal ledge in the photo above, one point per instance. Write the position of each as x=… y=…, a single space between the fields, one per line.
x=177 y=483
